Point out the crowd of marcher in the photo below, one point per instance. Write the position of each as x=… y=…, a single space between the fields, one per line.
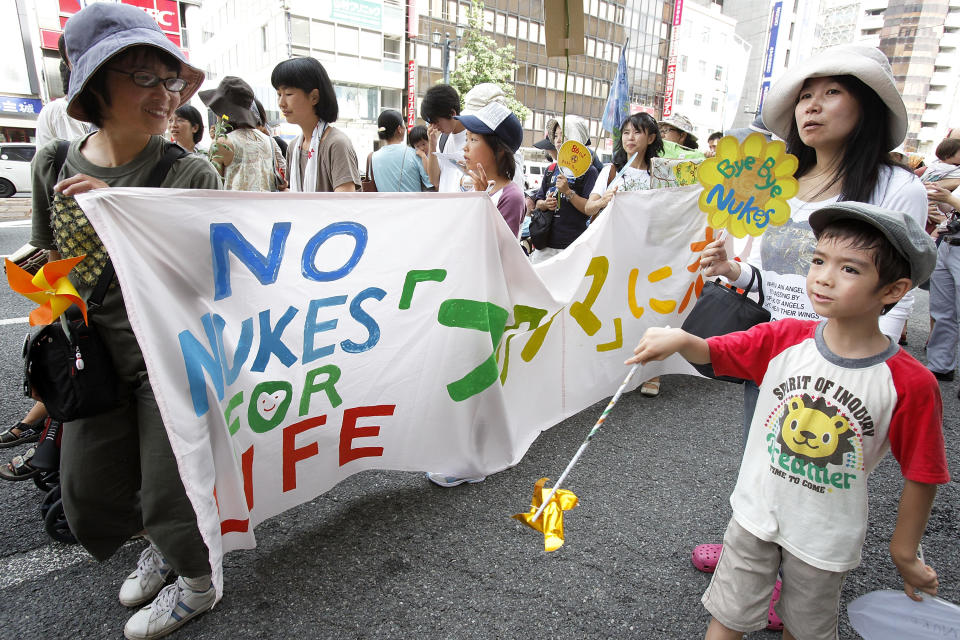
x=839 y=113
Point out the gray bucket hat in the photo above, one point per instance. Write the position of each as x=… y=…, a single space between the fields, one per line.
x=904 y=233
x=100 y=31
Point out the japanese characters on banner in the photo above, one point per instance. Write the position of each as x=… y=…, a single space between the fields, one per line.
x=300 y=338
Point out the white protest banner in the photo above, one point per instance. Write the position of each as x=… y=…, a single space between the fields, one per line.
x=295 y=339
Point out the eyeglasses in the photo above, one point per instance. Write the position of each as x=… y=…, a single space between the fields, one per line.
x=148 y=80
x=665 y=129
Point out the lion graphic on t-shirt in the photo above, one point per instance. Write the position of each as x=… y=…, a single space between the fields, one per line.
x=814 y=431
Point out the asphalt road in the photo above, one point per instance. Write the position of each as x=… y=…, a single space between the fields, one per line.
x=389 y=555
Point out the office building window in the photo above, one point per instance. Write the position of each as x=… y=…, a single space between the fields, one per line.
x=391 y=48
x=371 y=44
x=679 y=96
x=390 y=99
x=300 y=31
x=697 y=99
x=714 y=104
x=718 y=73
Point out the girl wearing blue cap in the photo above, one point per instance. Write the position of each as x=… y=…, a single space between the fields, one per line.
x=493 y=135
x=119 y=476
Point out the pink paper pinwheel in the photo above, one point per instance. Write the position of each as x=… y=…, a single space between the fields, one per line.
x=50 y=288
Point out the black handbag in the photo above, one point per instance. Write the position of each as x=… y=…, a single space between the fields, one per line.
x=67 y=365
x=721 y=310
x=540 y=224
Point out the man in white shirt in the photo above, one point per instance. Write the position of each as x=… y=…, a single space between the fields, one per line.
x=53 y=121
x=440 y=104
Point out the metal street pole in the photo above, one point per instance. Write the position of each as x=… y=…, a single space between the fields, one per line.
x=446 y=58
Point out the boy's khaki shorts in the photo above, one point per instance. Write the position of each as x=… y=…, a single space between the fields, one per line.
x=739 y=593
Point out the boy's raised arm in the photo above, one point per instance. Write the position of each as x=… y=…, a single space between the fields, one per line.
x=915 y=503
x=659 y=343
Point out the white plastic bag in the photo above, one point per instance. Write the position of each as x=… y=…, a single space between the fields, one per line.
x=891 y=615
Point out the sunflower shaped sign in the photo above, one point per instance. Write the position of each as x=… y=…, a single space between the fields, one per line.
x=746 y=186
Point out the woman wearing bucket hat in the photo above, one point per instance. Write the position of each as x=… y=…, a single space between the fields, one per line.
x=678 y=129
x=119 y=476
x=840 y=113
x=244 y=156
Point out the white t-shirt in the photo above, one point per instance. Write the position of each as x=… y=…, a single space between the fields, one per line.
x=631 y=180
x=783 y=254
x=54 y=123
x=450 y=176
x=822 y=424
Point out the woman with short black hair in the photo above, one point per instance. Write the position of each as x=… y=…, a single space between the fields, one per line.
x=119 y=476
x=321 y=158
x=186 y=128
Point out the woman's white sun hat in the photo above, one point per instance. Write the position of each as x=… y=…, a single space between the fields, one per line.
x=868 y=64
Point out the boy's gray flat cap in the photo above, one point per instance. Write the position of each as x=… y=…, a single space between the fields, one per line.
x=904 y=233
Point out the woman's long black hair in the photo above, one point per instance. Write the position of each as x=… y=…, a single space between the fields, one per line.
x=644 y=123
x=865 y=151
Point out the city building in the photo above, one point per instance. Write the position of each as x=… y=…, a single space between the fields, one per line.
x=712 y=64
x=921 y=40
x=780 y=33
x=539 y=80
x=22 y=91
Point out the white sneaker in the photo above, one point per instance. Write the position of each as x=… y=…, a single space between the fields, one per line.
x=171 y=609
x=452 y=481
x=145 y=583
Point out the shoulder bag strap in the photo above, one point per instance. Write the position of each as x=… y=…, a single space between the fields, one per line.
x=756 y=272
x=370 y=166
x=403 y=162
x=171 y=153
x=62 y=147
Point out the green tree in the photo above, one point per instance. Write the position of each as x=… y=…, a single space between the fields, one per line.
x=481 y=60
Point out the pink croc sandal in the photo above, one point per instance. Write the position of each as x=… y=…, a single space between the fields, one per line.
x=774 y=623
x=706 y=556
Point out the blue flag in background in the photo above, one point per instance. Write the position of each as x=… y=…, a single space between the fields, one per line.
x=618 y=102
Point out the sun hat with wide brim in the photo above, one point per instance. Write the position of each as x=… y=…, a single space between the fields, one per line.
x=867 y=64
x=901 y=229
x=233 y=98
x=99 y=32
x=678 y=121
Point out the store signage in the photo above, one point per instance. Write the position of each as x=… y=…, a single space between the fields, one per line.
x=13 y=104
x=771 y=51
x=672 y=59
x=165 y=12
x=411 y=94
x=359 y=12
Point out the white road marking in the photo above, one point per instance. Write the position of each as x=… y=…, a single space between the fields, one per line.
x=15 y=223
x=14 y=321
x=39 y=562
x=42 y=561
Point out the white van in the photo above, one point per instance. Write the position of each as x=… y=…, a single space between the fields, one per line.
x=535 y=171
